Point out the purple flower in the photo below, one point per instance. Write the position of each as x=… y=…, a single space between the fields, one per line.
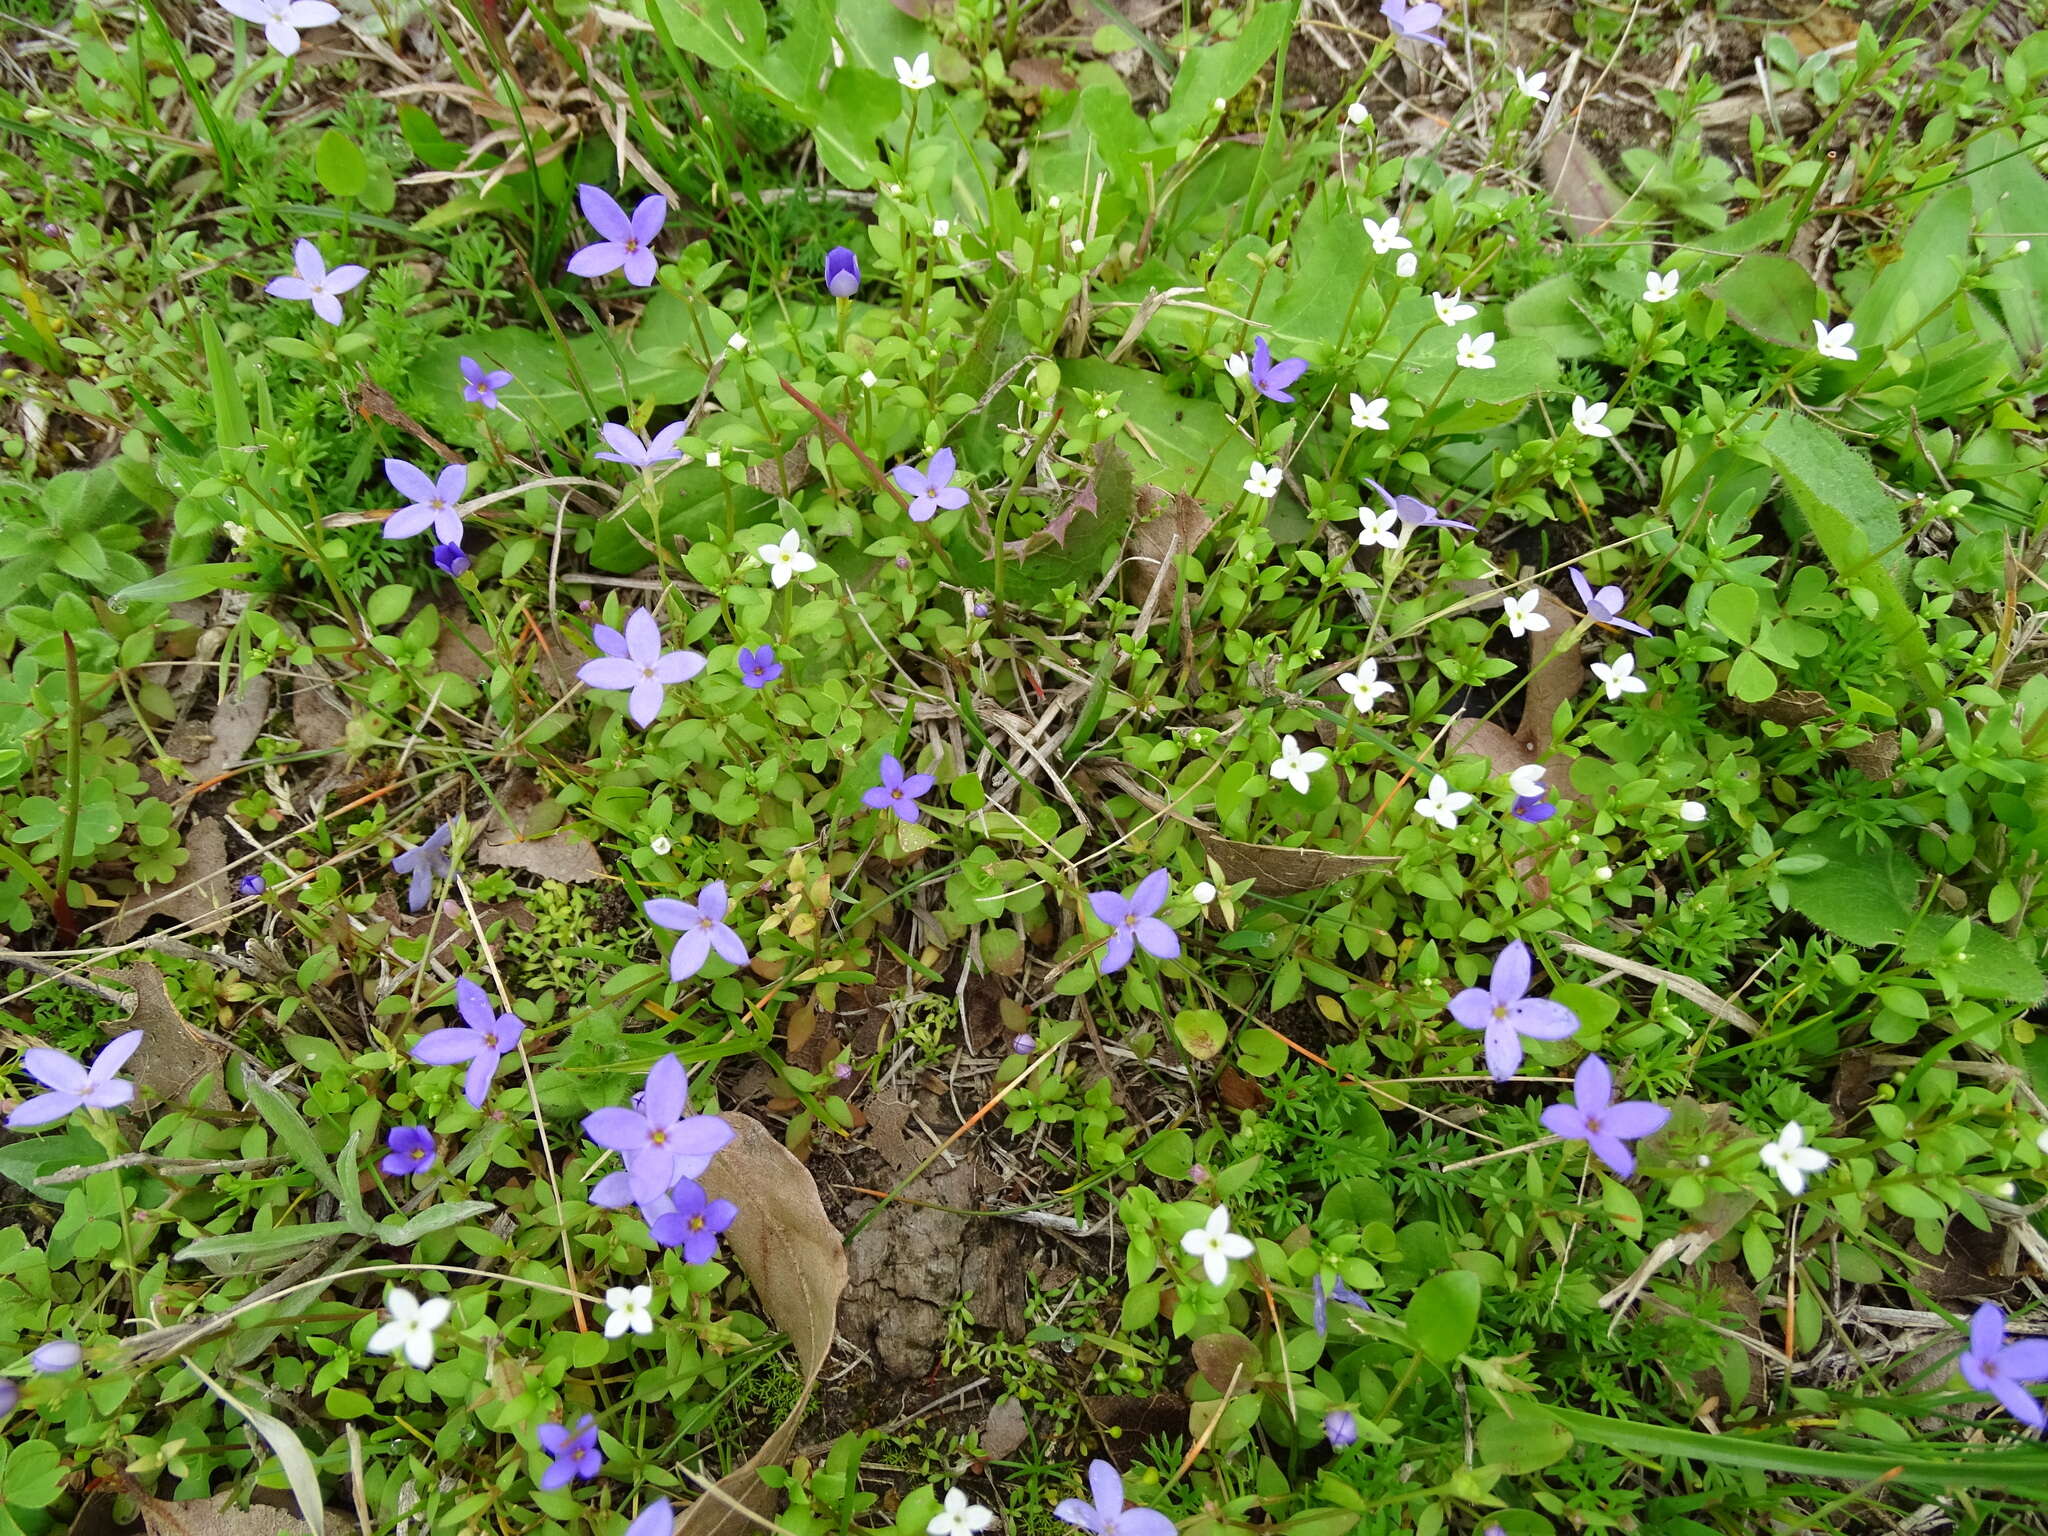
x=1270 y=378
x=435 y=503
x=1506 y=1012
x=251 y=885
x=703 y=928
x=625 y=241
x=898 y=791
x=1131 y=921
x=412 y=1150
x=10 y=1397
x=931 y=489
x=2005 y=1370
x=693 y=1220
x=635 y=661
x=660 y=1140
x=1340 y=1428
x=1107 y=1515
x=842 y=1072
x=1599 y=1122
x=310 y=281
x=758 y=667
x=1604 y=606
x=480 y=385
x=486 y=1039
x=657 y=1519
x=73 y=1085
x=1534 y=809
x=1023 y=1045
x=450 y=558
x=1414 y=21
x=570 y=1456
x=427 y=863
x=1413 y=510
x=56 y=1357
x=628 y=447
x=842 y=272
x=1338 y=1291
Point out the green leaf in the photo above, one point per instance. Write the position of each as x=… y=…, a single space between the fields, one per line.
x=1523 y=1444
x=1733 y=610
x=28 y=1159
x=291 y=1129
x=1771 y=297
x=1988 y=965
x=434 y=1218
x=185 y=584
x=299 y=1471
x=1865 y=895
x=1750 y=679
x=1222 y=68
x=35 y=1475
x=1930 y=266
x=1202 y=1032
x=1554 y=312
x=1444 y=1315
x=266 y=1247
x=339 y=164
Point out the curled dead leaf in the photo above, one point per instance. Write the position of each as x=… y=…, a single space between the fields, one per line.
x=173 y=1057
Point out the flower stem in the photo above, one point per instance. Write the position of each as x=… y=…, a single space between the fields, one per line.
x=74 y=792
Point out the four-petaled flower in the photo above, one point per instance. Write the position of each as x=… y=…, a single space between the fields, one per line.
x=73 y=1085
x=898 y=791
x=435 y=503
x=483 y=1039
x=2005 y=1370
x=1131 y=921
x=1659 y=286
x=660 y=1140
x=1271 y=378
x=1532 y=86
x=1442 y=804
x=1263 y=481
x=1605 y=605
x=931 y=489
x=1791 y=1159
x=1603 y=1125
x=412 y=1150
x=915 y=74
x=1413 y=21
x=625 y=242
x=1586 y=417
x=693 y=1221
x=1505 y=1012
x=432 y=860
x=1106 y=1516
x=282 y=20
x=480 y=385
x=1413 y=511
x=1293 y=766
x=629 y=447
x=1620 y=679
x=758 y=667
x=1476 y=351
x=1364 y=687
x=1386 y=236
x=1833 y=341
x=1369 y=415
x=311 y=282
x=1340 y=1428
x=1451 y=308
x=411 y=1329
x=1380 y=528
x=570 y=1456
x=630 y=1311
x=842 y=272
x=635 y=662
x=959 y=1516
x=1520 y=611
x=1216 y=1245
x=787 y=559
x=703 y=928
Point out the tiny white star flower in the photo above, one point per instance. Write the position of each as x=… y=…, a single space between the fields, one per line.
x=1442 y=804
x=411 y=1329
x=1293 y=766
x=1659 y=286
x=1476 y=351
x=630 y=1309
x=1356 y=114
x=1201 y=893
x=1450 y=309
x=282 y=19
x=713 y=459
x=1077 y=246
x=237 y=534
x=2022 y=246
x=736 y=342
x=915 y=74
x=1381 y=526
x=1586 y=417
x=942 y=227
x=1833 y=341
x=1262 y=481
x=1791 y=1159
x=1387 y=237
x=1520 y=610
x=1369 y=415
x=893 y=188
x=1527 y=780
x=1405 y=264
x=1216 y=1245
x=960 y=1517
x=1620 y=680
x=660 y=846
x=1691 y=810
x=868 y=379
x=1531 y=86
x=1238 y=366
x=786 y=560
x=1364 y=687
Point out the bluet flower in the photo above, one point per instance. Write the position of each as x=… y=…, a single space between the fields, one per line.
x=624 y=243
x=1506 y=1014
x=1603 y=1125
x=72 y=1085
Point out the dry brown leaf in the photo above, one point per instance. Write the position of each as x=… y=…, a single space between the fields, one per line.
x=1168 y=527
x=1276 y=871
x=1033 y=75
x=211 y=749
x=792 y=1255
x=1558 y=673
x=320 y=715
x=218 y=1516
x=1239 y=1091
x=173 y=1057
x=528 y=841
x=1586 y=198
x=786 y=475
x=1005 y=1430
x=197 y=896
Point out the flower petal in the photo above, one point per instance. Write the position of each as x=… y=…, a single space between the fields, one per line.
x=42 y=1110
x=1563 y=1120
x=940 y=469
x=609 y=672
x=1151 y=893
x=597 y=260
x=1593 y=1084
x=668 y=1091
x=408 y=480
x=728 y=944
x=689 y=955
x=446 y=1047
x=1612 y=1151
x=1503 y=1052
x=1107 y=1484
x=474 y=1004
x=617 y=1130
x=667 y=912
x=1157 y=938
x=1473 y=1008
x=648 y=218
x=1511 y=973
x=644 y=704
x=643 y=637
x=1116 y=954
x=1635 y=1119
x=604 y=213
x=1541 y=1019
x=54 y=1069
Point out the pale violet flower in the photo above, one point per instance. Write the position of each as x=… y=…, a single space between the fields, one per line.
x=635 y=663
x=411 y=1329
x=915 y=74
x=1791 y=1159
x=1659 y=286
x=703 y=928
x=1442 y=804
x=787 y=560
x=1532 y=86
x=1451 y=308
x=629 y=447
x=1387 y=237
x=282 y=20
x=435 y=503
x=1520 y=610
x=1620 y=679
x=630 y=1310
x=1476 y=351
x=1293 y=766
x=1413 y=21
x=1369 y=415
x=310 y=282
x=1380 y=526
x=1364 y=687
x=72 y=1084
x=1587 y=417
x=1833 y=341
x=1262 y=480
x=1216 y=1245
x=1507 y=1015
x=625 y=243
x=960 y=1516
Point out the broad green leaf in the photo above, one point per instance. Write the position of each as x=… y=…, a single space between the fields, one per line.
x=340 y=165
x=1522 y=1444
x=1865 y=895
x=1750 y=678
x=434 y=1218
x=1771 y=297
x=1444 y=1314
x=1930 y=266
x=1222 y=68
x=179 y=586
x=2012 y=205
x=35 y=1476
x=266 y=1247
x=1554 y=312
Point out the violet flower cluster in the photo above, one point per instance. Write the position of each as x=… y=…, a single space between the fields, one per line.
x=665 y=1150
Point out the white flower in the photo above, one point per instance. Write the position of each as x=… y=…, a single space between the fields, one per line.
x=1238 y=366
x=660 y=847
x=1476 y=351
x=1442 y=804
x=1216 y=1245
x=1451 y=310
x=1369 y=415
x=1263 y=481
x=1077 y=246
x=1364 y=687
x=1527 y=781
x=1833 y=341
x=868 y=379
x=1220 y=105
x=712 y=459
x=411 y=1329
x=632 y=1309
x=1201 y=893
x=1531 y=86
x=787 y=560
x=1620 y=680
x=736 y=342
x=1381 y=526
x=1586 y=417
x=1791 y=1159
x=1053 y=202
x=915 y=74
x=2041 y=1141
x=1691 y=810
x=1659 y=286
x=959 y=1517
x=1293 y=766
x=1387 y=238
x=1356 y=115
x=1604 y=872
x=1520 y=611
x=942 y=227
x=282 y=19
x=838 y=55
x=2021 y=247
x=1404 y=264
x=237 y=534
